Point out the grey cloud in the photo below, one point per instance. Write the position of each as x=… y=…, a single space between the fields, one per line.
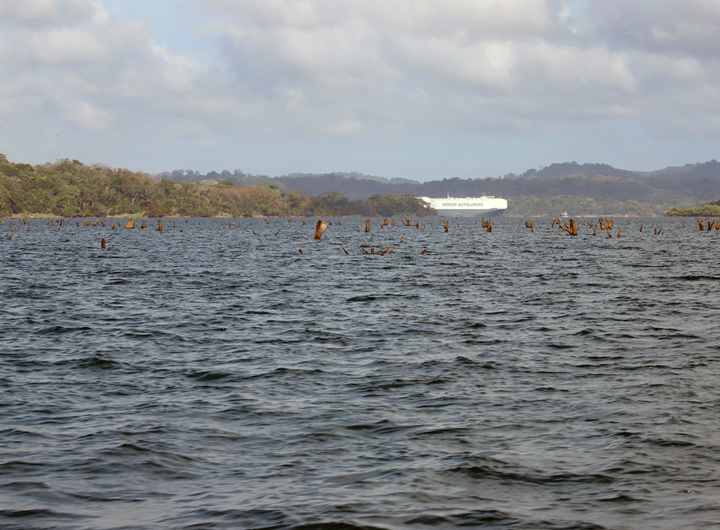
x=319 y=69
x=659 y=26
x=384 y=64
x=411 y=64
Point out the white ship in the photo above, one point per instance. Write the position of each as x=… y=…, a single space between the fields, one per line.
x=467 y=206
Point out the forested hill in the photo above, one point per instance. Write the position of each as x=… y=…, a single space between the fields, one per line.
x=687 y=172
x=692 y=183
x=575 y=193
x=69 y=188
x=573 y=168
x=565 y=169
x=653 y=190
x=240 y=178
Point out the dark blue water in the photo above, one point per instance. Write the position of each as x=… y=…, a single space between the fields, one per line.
x=212 y=378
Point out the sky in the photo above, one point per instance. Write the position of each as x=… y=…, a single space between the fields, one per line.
x=420 y=89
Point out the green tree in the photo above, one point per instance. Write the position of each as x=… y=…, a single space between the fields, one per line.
x=158 y=209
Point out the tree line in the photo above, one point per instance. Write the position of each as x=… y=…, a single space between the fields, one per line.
x=72 y=189
x=673 y=185
x=69 y=188
x=651 y=190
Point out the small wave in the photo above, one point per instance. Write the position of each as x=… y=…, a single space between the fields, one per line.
x=489 y=518
x=24 y=485
x=367 y=298
x=60 y=330
x=37 y=513
x=19 y=466
x=621 y=498
x=21 y=433
x=97 y=361
x=495 y=470
x=336 y=525
x=210 y=376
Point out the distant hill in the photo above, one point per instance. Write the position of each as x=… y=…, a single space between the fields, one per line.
x=359 y=186
x=345 y=175
x=71 y=188
x=707 y=170
x=565 y=183
x=240 y=178
x=687 y=172
x=566 y=169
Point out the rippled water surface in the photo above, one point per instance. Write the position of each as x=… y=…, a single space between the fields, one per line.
x=211 y=378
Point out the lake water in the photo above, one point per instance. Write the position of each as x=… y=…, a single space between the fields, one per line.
x=212 y=378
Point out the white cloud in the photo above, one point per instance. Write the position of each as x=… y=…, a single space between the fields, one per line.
x=371 y=61
x=663 y=71
x=82 y=44
x=88 y=68
x=178 y=72
x=319 y=69
x=476 y=18
x=46 y=11
x=346 y=127
x=486 y=64
x=571 y=68
x=523 y=62
x=87 y=115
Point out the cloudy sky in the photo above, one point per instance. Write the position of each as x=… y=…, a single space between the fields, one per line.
x=420 y=89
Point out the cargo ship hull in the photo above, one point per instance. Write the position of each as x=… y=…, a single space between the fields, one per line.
x=467 y=206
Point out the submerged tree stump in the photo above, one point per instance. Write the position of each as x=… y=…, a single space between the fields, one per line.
x=320 y=228
x=572 y=229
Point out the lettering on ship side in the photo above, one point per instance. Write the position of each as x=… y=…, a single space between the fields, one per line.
x=461 y=204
